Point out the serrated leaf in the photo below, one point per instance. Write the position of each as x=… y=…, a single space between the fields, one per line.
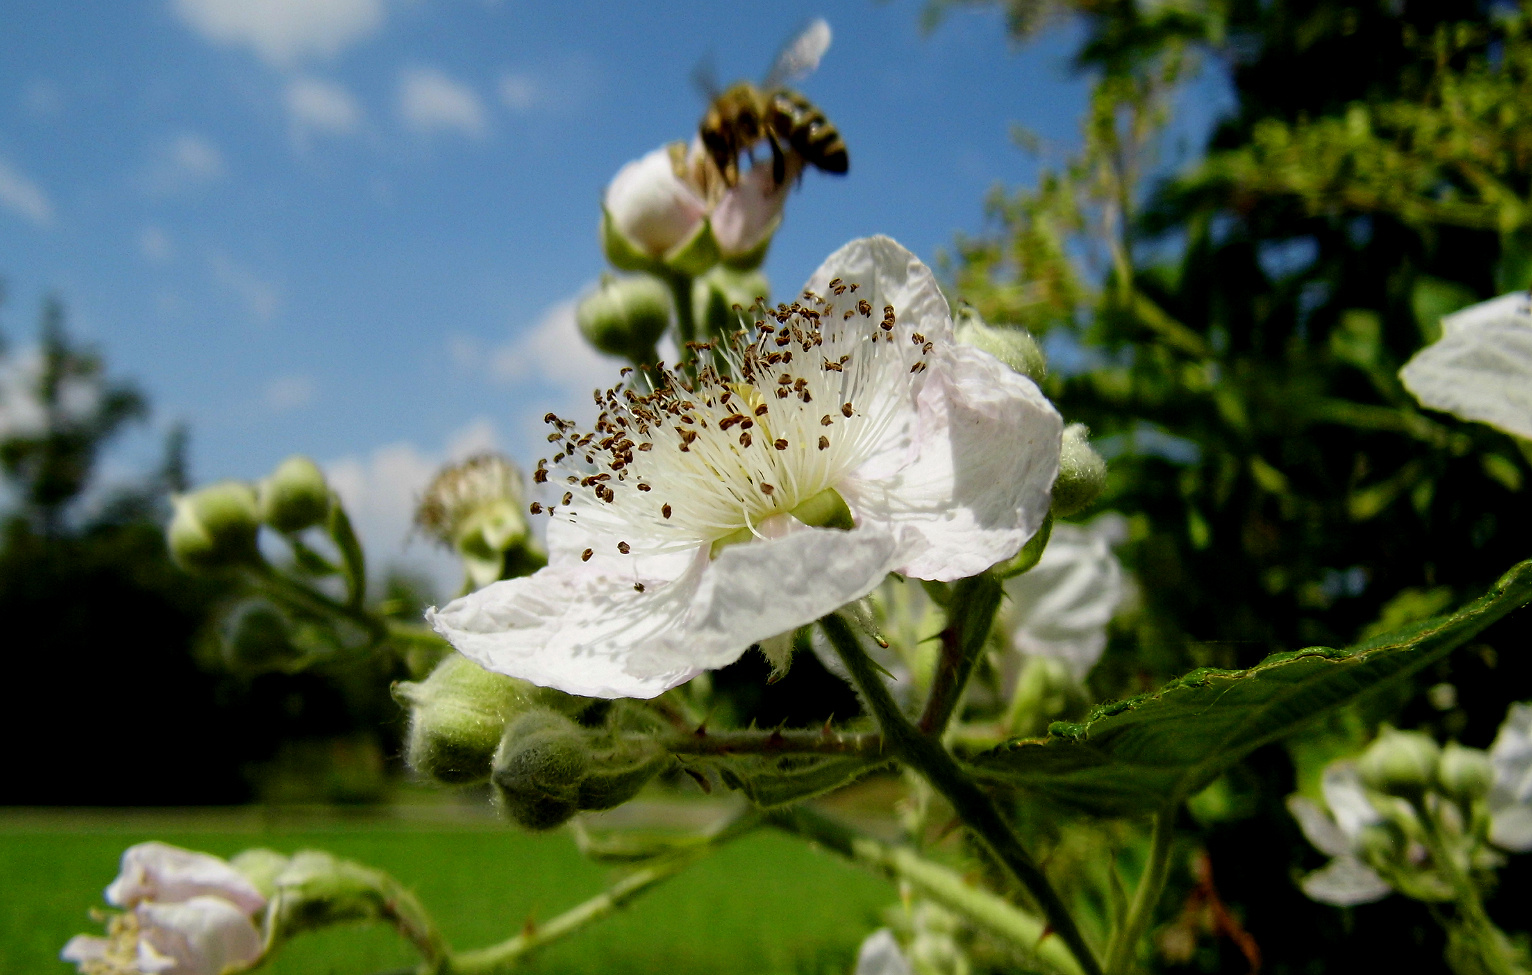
x=1156 y=750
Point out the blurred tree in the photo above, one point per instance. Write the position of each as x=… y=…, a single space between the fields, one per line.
x=1232 y=334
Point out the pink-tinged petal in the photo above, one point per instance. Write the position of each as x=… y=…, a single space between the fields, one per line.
x=161 y=872
x=586 y=631
x=1481 y=367
x=750 y=210
x=987 y=454
x=201 y=936
x=83 y=948
x=651 y=205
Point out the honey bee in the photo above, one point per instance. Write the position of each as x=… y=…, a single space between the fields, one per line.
x=739 y=118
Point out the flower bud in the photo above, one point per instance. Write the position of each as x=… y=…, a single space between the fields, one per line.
x=539 y=768
x=258 y=637
x=1381 y=844
x=1465 y=774
x=1082 y=473
x=215 y=527
x=625 y=316
x=295 y=496
x=261 y=867
x=1400 y=763
x=717 y=293
x=1013 y=346
x=457 y=717
x=649 y=211
x=478 y=508
x=617 y=775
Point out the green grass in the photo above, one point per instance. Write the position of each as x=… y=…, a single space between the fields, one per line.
x=764 y=904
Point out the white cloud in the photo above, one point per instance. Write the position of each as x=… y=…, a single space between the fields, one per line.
x=316 y=105
x=290 y=392
x=155 y=246
x=430 y=102
x=380 y=492
x=284 y=31
x=260 y=296
x=185 y=162
x=519 y=92
x=23 y=197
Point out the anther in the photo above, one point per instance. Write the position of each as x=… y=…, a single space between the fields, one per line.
x=824 y=443
x=825 y=420
x=624 y=548
x=767 y=489
x=780 y=443
x=585 y=555
x=536 y=508
x=845 y=410
x=665 y=511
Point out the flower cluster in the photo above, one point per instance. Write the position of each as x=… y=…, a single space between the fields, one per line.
x=183 y=913
x=843 y=437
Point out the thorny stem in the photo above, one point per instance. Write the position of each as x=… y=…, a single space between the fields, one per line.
x=508 y=954
x=926 y=755
x=970 y=614
x=934 y=881
x=868 y=745
x=1119 y=957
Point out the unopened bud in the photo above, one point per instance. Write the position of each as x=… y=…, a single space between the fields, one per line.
x=1082 y=473
x=1381 y=844
x=1013 y=346
x=617 y=775
x=717 y=294
x=261 y=867
x=215 y=527
x=295 y=496
x=1400 y=763
x=625 y=316
x=259 y=638
x=649 y=210
x=457 y=717
x=1465 y=774
x=539 y=769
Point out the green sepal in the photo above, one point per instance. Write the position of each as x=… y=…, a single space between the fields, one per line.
x=353 y=561
x=621 y=252
x=1030 y=554
x=696 y=254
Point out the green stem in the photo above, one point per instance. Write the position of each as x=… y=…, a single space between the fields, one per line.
x=926 y=755
x=285 y=589
x=681 y=297
x=1120 y=956
x=867 y=745
x=932 y=880
x=1493 y=946
x=509 y=953
x=970 y=614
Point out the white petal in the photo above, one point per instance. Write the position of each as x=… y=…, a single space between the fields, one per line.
x=888 y=275
x=880 y=955
x=1318 y=827
x=161 y=872
x=84 y=948
x=590 y=633
x=1481 y=367
x=1348 y=801
x=1510 y=827
x=749 y=210
x=1511 y=755
x=651 y=205
x=987 y=454
x=1345 y=881
x=203 y=935
x=1061 y=608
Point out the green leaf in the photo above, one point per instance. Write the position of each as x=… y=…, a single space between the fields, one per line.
x=1156 y=750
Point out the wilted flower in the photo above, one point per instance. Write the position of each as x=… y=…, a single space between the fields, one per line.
x=184 y=913
x=852 y=438
x=1481 y=367
x=661 y=202
x=1061 y=607
x=476 y=507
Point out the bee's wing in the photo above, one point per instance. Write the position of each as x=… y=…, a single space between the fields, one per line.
x=800 y=55
x=705 y=77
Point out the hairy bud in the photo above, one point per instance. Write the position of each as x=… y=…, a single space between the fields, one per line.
x=1082 y=473
x=258 y=637
x=1400 y=763
x=457 y=717
x=625 y=316
x=539 y=768
x=1013 y=346
x=1465 y=774
x=295 y=496
x=215 y=527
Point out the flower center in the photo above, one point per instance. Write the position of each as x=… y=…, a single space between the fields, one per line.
x=774 y=418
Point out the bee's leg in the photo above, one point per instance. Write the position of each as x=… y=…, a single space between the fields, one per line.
x=778 y=160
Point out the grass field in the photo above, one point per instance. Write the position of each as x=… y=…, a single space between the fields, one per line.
x=765 y=904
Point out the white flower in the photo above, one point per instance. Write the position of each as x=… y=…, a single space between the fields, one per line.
x=880 y=955
x=1061 y=607
x=1510 y=798
x=185 y=913
x=659 y=202
x=687 y=532
x=1481 y=367
x=1345 y=880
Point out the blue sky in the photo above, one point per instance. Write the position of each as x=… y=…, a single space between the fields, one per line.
x=353 y=228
